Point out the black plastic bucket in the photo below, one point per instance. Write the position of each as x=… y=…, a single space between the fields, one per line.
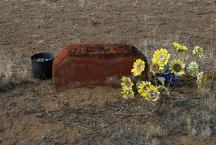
x=42 y=65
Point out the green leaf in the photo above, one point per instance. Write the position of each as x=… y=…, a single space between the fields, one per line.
x=165 y=68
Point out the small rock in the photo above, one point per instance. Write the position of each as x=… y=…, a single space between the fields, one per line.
x=42 y=59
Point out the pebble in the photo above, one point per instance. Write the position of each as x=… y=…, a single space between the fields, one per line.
x=42 y=59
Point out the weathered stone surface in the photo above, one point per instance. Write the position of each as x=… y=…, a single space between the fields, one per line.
x=98 y=64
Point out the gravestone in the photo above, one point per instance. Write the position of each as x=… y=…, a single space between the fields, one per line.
x=94 y=64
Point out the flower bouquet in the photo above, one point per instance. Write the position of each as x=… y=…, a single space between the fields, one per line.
x=166 y=71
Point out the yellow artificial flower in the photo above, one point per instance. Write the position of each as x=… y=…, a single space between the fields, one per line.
x=198 y=51
x=143 y=87
x=138 y=67
x=127 y=94
x=155 y=68
x=161 y=57
x=126 y=83
x=152 y=94
x=127 y=88
x=180 y=47
x=177 y=67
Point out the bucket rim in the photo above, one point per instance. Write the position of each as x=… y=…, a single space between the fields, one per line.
x=41 y=53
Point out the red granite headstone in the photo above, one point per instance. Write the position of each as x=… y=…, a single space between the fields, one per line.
x=86 y=64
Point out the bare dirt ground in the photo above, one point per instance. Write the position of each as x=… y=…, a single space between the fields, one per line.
x=32 y=113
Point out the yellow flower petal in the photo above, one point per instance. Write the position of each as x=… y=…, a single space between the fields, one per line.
x=177 y=67
x=152 y=94
x=161 y=57
x=143 y=87
x=138 y=67
x=180 y=47
x=155 y=68
x=126 y=83
x=127 y=93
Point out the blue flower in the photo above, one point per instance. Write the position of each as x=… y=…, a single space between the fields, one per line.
x=170 y=78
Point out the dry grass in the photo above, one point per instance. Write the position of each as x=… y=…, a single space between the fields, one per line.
x=12 y=73
x=187 y=112
x=32 y=113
